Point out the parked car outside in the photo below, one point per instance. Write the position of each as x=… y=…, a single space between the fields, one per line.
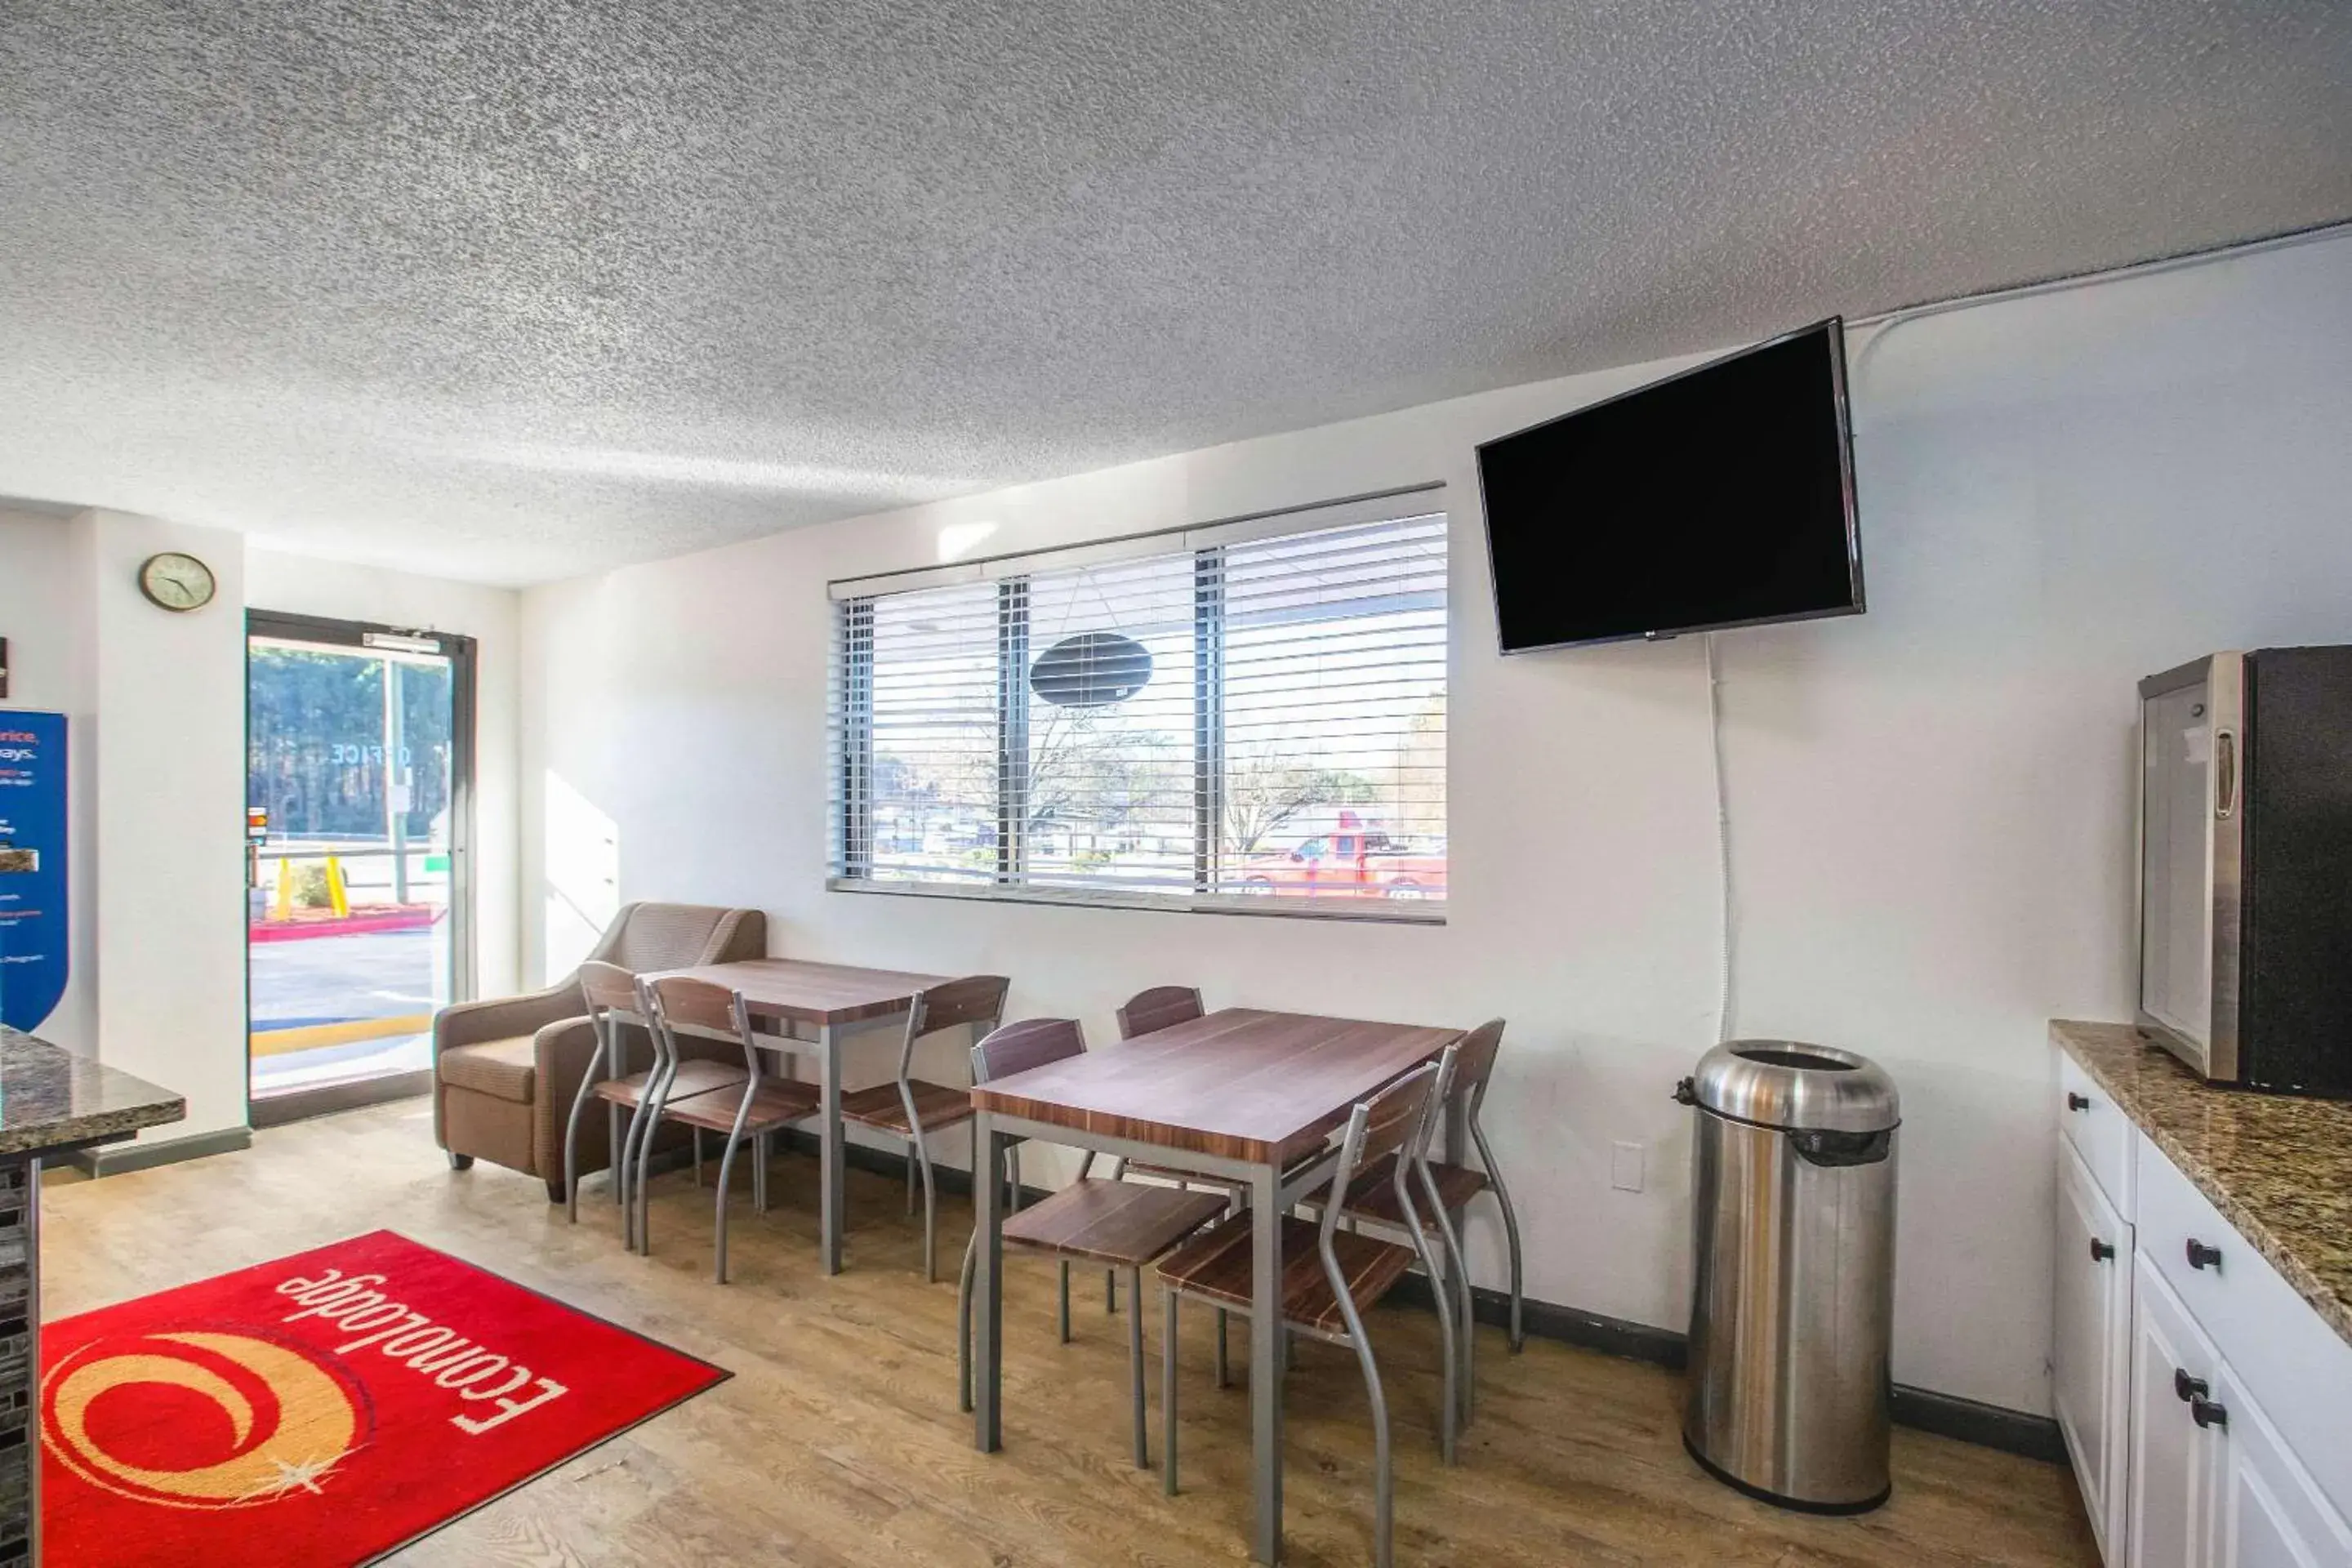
x=1360 y=859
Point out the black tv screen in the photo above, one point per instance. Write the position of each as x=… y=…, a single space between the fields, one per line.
x=1720 y=497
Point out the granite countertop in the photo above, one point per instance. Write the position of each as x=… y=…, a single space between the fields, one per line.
x=2279 y=1168
x=52 y=1099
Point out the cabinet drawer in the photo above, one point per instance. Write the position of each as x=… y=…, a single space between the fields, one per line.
x=2100 y=1132
x=2285 y=1354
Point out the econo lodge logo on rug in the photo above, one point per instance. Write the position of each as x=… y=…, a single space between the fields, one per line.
x=327 y=1407
x=287 y=1420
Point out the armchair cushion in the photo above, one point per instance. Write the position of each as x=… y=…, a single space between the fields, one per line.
x=504 y=1069
x=506 y=1017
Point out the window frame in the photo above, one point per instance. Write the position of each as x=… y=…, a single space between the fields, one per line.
x=850 y=724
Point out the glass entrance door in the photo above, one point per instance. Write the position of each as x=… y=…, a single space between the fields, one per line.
x=358 y=782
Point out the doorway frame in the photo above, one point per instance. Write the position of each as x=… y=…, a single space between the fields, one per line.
x=299 y=1104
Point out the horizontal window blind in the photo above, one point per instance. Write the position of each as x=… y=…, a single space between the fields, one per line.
x=1257 y=724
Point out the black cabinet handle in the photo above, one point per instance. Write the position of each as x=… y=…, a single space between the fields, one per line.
x=2203 y=1257
x=2205 y=1412
x=2101 y=1250
x=2188 y=1388
x=2077 y=1101
x=1687 y=1093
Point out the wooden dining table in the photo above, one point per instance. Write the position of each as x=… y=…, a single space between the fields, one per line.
x=813 y=1009
x=1241 y=1094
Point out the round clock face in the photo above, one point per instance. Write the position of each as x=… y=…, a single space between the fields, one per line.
x=176 y=582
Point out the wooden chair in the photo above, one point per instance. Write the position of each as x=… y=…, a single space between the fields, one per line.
x=1117 y=1225
x=610 y=992
x=1147 y=1012
x=757 y=1108
x=1328 y=1302
x=1450 y=1189
x=908 y=1108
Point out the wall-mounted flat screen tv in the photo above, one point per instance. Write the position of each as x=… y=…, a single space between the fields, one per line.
x=1720 y=497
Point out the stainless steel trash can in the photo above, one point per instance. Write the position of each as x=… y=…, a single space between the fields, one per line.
x=1793 y=1214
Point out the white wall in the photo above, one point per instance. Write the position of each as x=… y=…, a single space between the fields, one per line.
x=298 y=584
x=156 y=706
x=1930 y=805
x=159 y=765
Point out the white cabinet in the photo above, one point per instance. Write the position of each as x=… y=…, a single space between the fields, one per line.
x=2267 y=1511
x=2207 y=1408
x=2170 y=1490
x=2090 y=1358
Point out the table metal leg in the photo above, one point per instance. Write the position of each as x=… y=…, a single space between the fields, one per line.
x=832 y=1165
x=988 y=1287
x=1267 y=1330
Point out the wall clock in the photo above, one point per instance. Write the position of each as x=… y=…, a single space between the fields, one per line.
x=175 y=582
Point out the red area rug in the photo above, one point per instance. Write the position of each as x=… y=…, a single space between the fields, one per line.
x=325 y=1409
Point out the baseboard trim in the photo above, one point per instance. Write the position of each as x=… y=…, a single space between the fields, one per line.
x=123 y=1159
x=1923 y=1409
x=1987 y=1426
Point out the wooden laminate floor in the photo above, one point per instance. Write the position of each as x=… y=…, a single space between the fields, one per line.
x=838 y=1441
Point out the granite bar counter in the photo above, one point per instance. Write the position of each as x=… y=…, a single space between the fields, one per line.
x=2278 y=1168
x=50 y=1101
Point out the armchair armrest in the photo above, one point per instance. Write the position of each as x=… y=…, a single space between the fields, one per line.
x=469 y=1023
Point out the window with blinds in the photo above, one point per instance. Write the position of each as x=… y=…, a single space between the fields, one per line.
x=1249 y=717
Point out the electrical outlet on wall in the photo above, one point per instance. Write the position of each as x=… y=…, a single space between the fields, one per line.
x=1626 y=1166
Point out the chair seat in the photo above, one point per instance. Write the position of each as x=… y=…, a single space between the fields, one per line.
x=1219 y=1262
x=936 y=1103
x=1110 y=1221
x=778 y=1102
x=693 y=1077
x=503 y=1069
x=1372 y=1195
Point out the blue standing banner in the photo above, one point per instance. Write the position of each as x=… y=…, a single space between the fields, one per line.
x=34 y=939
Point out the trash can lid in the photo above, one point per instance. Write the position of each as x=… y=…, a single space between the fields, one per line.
x=1787 y=1083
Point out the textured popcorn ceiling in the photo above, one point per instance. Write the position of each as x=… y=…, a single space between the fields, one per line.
x=512 y=291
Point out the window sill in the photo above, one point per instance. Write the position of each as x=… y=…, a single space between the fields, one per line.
x=1379 y=911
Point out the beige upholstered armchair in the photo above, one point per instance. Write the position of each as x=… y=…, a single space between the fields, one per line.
x=505 y=1072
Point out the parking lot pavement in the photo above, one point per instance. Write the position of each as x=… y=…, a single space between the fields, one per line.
x=329 y=979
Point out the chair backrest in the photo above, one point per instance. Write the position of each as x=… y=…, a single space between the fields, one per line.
x=1146 y=1012
x=608 y=986
x=974 y=999
x=1395 y=1119
x=699 y=1004
x=647 y=936
x=1030 y=1043
x=1474 y=1062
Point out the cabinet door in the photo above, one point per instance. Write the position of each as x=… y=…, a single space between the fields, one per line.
x=2268 y=1514
x=2170 y=1511
x=2090 y=1363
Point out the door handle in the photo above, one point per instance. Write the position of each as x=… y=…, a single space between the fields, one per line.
x=2205 y=1412
x=2101 y=1251
x=2203 y=1257
x=2077 y=1101
x=2225 y=774
x=2187 y=1388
